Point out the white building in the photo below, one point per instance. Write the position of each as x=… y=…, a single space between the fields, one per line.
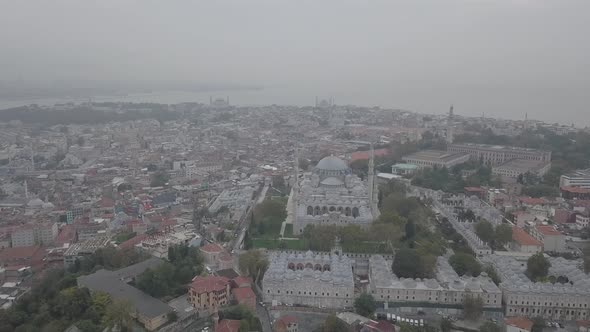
x=332 y=195
x=318 y=280
x=522 y=297
x=447 y=288
x=34 y=234
x=579 y=178
x=432 y=158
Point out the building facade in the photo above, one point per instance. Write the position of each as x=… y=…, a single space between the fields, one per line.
x=432 y=158
x=317 y=280
x=210 y=292
x=579 y=178
x=332 y=195
x=496 y=154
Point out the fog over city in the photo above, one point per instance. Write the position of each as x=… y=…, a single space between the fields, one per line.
x=503 y=58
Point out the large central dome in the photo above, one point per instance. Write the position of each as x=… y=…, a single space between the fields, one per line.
x=331 y=163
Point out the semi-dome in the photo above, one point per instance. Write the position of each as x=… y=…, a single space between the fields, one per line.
x=331 y=163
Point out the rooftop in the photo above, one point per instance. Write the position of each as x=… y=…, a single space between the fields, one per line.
x=209 y=283
x=523 y=238
x=520 y=322
x=435 y=155
x=547 y=230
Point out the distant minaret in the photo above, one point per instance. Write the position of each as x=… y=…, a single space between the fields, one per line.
x=450 y=135
x=26 y=190
x=526 y=121
x=296 y=184
x=32 y=158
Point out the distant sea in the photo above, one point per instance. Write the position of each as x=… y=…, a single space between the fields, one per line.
x=305 y=96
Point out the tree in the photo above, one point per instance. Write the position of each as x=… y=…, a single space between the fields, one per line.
x=365 y=305
x=118 y=313
x=537 y=266
x=159 y=179
x=410 y=230
x=485 y=231
x=253 y=263
x=492 y=274
x=446 y=325
x=465 y=264
x=490 y=327
x=472 y=307
x=503 y=234
x=407 y=263
x=538 y=324
x=333 y=324
x=303 y=164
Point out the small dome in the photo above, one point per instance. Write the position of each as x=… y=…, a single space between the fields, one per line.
x=36 y=202
x=331 y=163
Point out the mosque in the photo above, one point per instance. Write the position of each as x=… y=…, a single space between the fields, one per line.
x=332 y=195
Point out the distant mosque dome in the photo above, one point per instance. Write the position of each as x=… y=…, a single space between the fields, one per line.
x=331 y=163
x=36 y=202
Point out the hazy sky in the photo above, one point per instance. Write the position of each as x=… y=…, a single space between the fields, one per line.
x=501 y=57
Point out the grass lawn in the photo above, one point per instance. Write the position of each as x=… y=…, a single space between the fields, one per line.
x=299 y=244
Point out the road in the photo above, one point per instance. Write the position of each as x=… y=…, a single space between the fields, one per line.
x=264 y=317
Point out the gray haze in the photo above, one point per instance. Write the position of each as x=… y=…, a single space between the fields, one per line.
x=501 y=57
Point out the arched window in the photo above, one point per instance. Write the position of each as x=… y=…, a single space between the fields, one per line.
x=355 y=212
x=310 y=210
x=300 y=266
x=291 y=266
x=317 y=211
x=308 y=266
x=332 y=209
x=324 y=209
x=317 y=267
x=347 y=211
x=326 y=267
x=340 y=209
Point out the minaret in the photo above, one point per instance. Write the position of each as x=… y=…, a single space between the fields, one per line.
x=526 y=121
x=450 y=135
x=26 y=190
x=372 y=188
x=295 y=185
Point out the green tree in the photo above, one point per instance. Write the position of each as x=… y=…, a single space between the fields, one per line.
x=253 y=263
x=365 y=305
x=503 y=234
x=333 y=324
x=465 y=264
x=538 y=324
x=159 y=179
x=410 y=230
x=446 y=325
x=118 y=313
x=490 y=327
x=537 y=266
x=407 y=263
x=472 y=307
x=485 y=231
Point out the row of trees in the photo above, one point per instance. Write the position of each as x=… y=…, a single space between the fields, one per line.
x=267 y=217
x=170 y=278
x=494 y=236
x=55 y=303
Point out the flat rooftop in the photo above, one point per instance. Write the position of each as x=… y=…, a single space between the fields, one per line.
x=523 y=164
x=435 y=155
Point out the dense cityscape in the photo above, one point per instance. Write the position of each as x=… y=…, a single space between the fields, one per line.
x=218 y=217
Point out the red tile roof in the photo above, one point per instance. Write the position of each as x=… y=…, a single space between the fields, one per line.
x=523 y=238
x=133 y=241
x=547 y=230
x=67 y=234
x=242 y=294
x=364 y=155
x=380 y=326
x=532 y=201
x=209 y=284
x=576 y=190
x=288 y=319
x=241 y=280
x=212 y=247
x=228 y=325
x=520 y=322
x=19 y=252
